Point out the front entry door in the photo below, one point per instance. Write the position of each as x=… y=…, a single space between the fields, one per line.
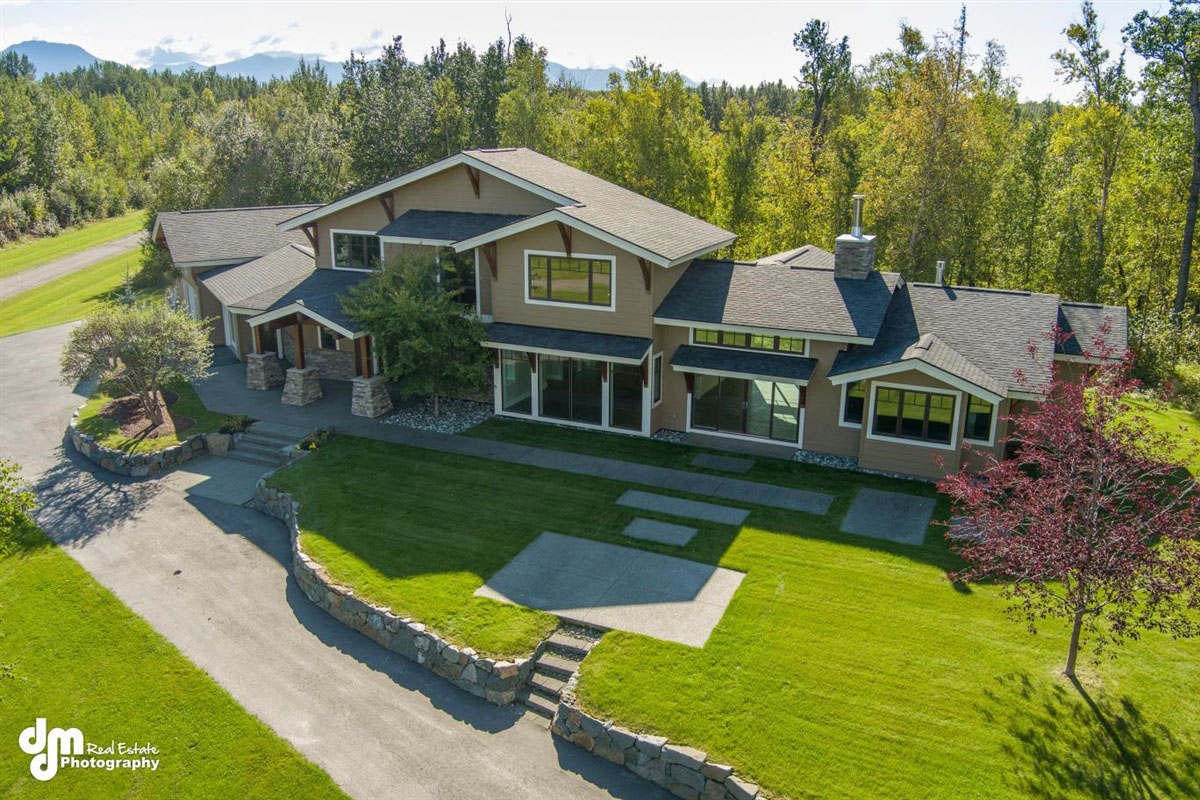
x=230 y=332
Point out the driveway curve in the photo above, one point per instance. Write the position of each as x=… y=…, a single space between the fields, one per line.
x=212 y=578
x=44 y=273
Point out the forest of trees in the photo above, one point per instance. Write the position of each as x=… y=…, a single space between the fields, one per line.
x=1088 y=199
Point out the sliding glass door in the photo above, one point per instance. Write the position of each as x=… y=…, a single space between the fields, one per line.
x=747 y=407
x=571 y=389
x=625 y=402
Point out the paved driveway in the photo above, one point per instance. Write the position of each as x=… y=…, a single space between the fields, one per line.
x=378 y=724
x=44 y=273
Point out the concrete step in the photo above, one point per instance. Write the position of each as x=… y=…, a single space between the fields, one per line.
x=546 y=685
x=540 y=705
x=563 y=642
x=277 y=431
x=252 y=458
x=555 y=666
x=268 y=448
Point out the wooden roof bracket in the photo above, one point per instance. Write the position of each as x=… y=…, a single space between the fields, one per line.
x=565 y=233
x=489 y=253
x=310 y=230
x=388 y=201
x=645 y=265
x=473 y=174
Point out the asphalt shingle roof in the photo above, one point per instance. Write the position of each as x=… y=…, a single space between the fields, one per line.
x=627 y=215
x=321 y=292
x=259 y=282
x=780 y=297
x=568 y=341
x=451 y=226
x=227 y=234
x=808 y=255
x=744 y=362
x=998 y=340
x=1091 y=325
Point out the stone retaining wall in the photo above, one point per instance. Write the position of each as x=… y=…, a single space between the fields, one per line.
x=495 y=681
x=683 y=771
x=139 y=465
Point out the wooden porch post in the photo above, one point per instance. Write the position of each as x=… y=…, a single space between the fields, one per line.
x=299 y=342
x=364 y=357
x=258 y=340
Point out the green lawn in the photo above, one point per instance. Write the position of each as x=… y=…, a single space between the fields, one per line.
x=74 y=654
x=844 y=667
x=70 y=297
x=27 y=254
x=1178 y=422
x=108 y=434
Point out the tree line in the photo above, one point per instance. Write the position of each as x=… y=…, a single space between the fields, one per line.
x=1093 y=199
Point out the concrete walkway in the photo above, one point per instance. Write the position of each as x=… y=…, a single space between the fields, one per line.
x=44 y=273
x=227 y=391
x=212 y=577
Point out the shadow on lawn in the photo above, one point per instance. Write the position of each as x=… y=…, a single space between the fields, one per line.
x=1066 y=743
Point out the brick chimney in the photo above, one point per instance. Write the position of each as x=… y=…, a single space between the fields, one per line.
x=854 y=252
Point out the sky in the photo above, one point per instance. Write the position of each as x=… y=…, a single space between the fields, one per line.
x=741 y=42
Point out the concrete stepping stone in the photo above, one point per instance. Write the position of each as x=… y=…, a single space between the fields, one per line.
x=893 y=516
x=722 y=463
x=654 y=531
x=679 y=507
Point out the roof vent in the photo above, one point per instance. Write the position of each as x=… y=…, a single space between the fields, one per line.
x=854 y=252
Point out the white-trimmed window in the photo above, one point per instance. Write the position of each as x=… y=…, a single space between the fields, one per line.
x=578 y=280
x=915 y=414
x=793 y=345
x=356 y=250
x=657 y=380
x=981 y=420
x=854 y=404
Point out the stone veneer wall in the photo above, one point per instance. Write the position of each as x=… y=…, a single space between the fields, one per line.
x=336 y=365
x=137 y=465
x=683 y=771
x=495 y=681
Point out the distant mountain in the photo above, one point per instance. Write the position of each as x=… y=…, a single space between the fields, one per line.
x=590 y=78
x=51 y=57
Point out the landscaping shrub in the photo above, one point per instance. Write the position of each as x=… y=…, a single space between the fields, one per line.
x=236 y=424
x=1162 y=344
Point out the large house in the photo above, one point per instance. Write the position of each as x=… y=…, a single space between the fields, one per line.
x=602 y=312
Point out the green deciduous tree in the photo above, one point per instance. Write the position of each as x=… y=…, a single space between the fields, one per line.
x=141 y=349
x=824 y=72
x=424 y=338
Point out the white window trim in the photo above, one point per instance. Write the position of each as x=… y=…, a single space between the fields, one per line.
x=869 y=419
x=991 y=440
x=656 y=369
x=842 y=410
x=798 y=444
x=612 y=287
x=916 y=366
x=809 y=335
x=693 y=341
x=333 y=250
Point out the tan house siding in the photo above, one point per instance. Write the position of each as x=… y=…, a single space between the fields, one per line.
x=823 y=406
x=633 y=310
x=672 y=412
x=449 y=190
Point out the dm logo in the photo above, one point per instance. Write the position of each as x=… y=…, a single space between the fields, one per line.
x=46 y=747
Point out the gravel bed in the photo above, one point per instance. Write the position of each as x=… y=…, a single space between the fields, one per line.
x=457 y=416
x=586 y=634
x=674 y=437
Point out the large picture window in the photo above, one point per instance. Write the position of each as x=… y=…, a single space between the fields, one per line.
x=980 y=414
x=355 y=251
x=913 y=414
x=582 y=281
x=750 y=341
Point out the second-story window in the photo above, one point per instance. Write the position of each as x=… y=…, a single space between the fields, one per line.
x=558 y=279
x=750 y=341
x=355 y=251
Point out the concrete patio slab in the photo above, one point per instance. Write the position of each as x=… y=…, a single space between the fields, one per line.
x=893 y=516
x=722 y=463
x=654 y=531
x=679 y=507
x=609 y=586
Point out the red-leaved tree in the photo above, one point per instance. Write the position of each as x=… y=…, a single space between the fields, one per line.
x=1094 y=519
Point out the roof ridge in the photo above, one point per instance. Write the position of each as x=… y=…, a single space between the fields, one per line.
x=982 y=289
x=241 y=208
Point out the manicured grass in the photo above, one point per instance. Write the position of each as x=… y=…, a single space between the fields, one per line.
x=844 y=666
x=108 y=434
x=1178 y=422
x=70 y=297
x=31 y=253
x=74 y=654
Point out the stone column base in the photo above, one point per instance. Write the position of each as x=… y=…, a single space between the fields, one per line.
x=370 y=397
x=263 y=371
x=303 y=386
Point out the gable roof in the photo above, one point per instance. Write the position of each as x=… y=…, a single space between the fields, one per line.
x=226 y=234
x=259 y=282
x=624 y=218
x=1091 y=328
x=444 y=226
x=994 y=339
x=775 y=296
x=317 y=295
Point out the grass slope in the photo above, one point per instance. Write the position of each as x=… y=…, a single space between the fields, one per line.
x=1176 y=421
x=108 y=434
x=72 y=653
x=28 y=254
x=70 y=297
x=844 y=667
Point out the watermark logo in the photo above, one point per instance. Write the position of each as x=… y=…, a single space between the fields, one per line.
x=55 y=748
x=47 y=747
